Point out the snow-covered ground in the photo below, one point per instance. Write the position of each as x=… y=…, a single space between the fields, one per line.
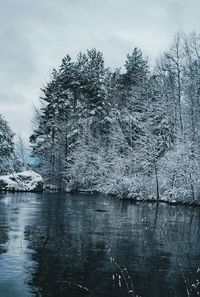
x=26 y=181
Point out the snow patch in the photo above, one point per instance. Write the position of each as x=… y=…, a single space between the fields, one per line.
x=26 y=181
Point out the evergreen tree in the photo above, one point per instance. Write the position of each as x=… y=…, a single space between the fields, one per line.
x=134 y=95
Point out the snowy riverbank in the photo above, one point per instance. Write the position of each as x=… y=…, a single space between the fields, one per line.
x=26 y=181
x=132 y=197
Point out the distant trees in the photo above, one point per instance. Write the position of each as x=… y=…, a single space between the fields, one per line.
x=130 y=133
x=6 y=146
x=22 y=154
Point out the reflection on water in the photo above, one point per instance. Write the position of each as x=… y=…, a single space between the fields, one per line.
x=78 y=245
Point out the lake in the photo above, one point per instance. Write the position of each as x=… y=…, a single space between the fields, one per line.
x=86 y=245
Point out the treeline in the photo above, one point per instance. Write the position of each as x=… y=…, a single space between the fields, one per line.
x=132 y=132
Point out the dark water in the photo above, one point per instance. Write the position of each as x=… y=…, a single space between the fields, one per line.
x=64 y=245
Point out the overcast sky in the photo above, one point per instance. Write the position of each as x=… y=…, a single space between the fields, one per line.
x=37 y=34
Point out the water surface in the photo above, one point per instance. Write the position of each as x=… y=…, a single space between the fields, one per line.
x=84 y=245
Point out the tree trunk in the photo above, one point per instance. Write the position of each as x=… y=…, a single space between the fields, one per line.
x=157 y=184
x=173 y=180
x=192 y=187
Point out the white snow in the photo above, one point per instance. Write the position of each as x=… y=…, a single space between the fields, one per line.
x=23 y=181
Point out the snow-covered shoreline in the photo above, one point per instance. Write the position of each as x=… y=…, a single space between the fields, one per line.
x=26 y=181
x=135 y=199
x=30 y=181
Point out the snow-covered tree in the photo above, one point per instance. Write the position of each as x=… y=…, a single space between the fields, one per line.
x=6 y=146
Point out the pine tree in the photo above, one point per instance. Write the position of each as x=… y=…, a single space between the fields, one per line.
x=136 y=69
x=134 y=95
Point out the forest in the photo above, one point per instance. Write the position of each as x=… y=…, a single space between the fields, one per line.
x=132 y=132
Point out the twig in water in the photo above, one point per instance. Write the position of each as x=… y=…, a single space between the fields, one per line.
x=124 y=274
x=192 y=286
x=70 y=284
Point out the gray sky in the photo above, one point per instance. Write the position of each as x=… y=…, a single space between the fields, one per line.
x=37 y=34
